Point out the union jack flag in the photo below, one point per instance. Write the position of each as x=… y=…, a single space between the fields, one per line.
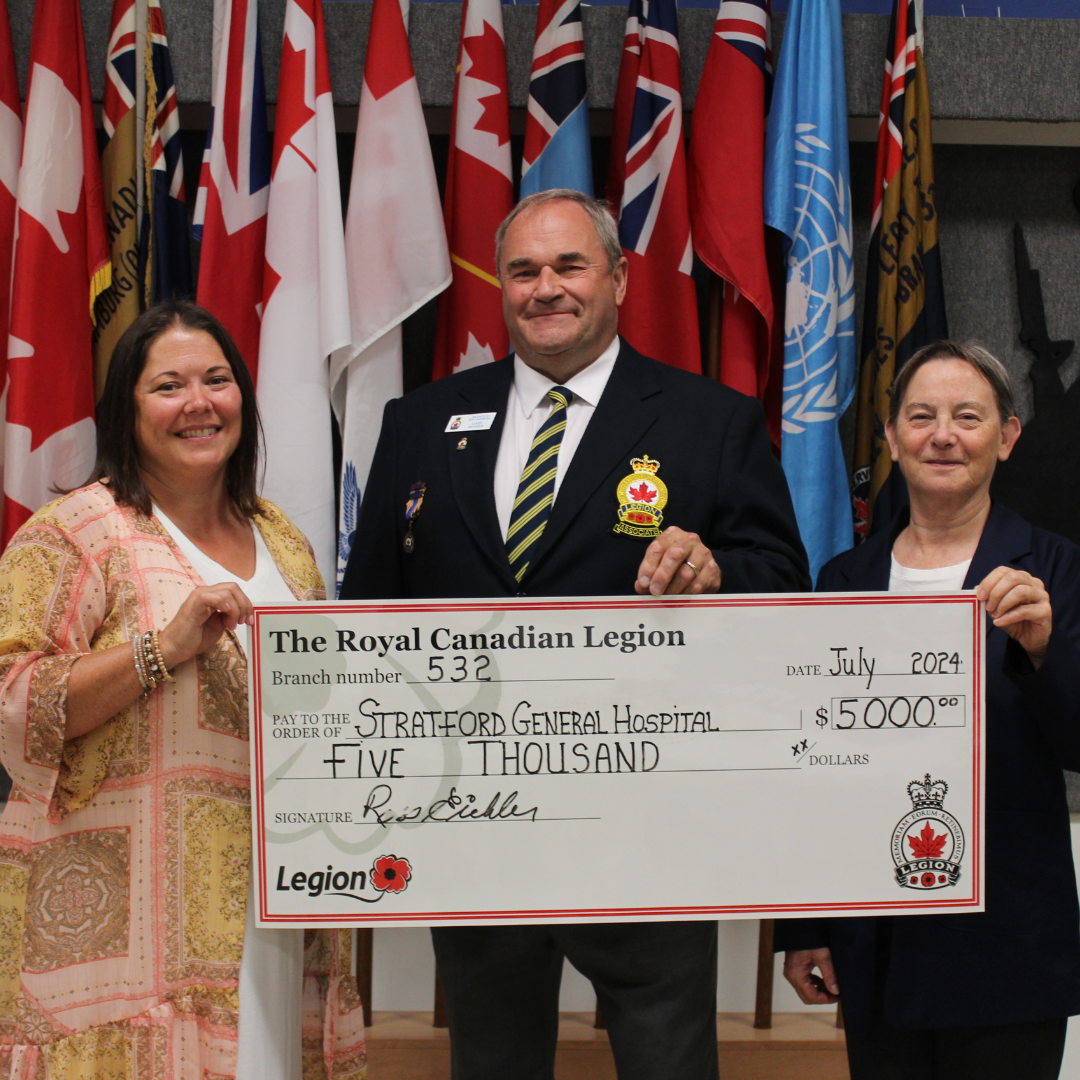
x=119 y=94
x=900 y=65
x=726 y=163
x=165 y=257
x=557 y=148
x=624 y=101
x=745 y=25
x=659 y=317
x=655 y=128
x=234 y=187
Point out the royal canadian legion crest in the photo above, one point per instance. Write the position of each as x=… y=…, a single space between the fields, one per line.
x=928 y=843
x=642 y=496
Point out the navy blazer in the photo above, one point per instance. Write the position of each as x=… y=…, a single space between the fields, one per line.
x=723 y=483
x=1018 y=961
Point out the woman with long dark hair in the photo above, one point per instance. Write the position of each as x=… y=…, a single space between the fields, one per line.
x=127 y=942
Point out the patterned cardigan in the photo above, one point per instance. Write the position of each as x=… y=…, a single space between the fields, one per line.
x=124 y=853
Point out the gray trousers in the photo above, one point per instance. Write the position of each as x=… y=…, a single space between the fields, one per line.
x=656 y=983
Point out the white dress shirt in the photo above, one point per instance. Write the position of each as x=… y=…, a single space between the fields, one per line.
x=528 y=407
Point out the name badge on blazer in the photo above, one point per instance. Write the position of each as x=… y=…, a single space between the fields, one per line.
x=477 y=421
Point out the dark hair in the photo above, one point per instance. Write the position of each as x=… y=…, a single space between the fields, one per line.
x=117 y=462
x=982 y=360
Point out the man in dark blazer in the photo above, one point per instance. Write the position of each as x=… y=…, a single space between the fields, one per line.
x=461 y=447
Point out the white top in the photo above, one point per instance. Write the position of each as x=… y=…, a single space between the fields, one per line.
x=265 y=586
x=528 y=406
x=904 y=579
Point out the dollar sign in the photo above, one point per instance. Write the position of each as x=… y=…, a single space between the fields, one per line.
x=822 y=717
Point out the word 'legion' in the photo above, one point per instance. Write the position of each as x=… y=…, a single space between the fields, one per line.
x=442 y=639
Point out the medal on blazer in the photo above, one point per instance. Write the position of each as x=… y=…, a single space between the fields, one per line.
x=412 y=508
x=642 y=495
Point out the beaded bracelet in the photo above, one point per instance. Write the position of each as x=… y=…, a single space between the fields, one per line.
x=155 y=644
x=147 y=682
x=147 y=648
x=147 y=662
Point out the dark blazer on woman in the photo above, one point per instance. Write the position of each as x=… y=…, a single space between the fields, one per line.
x=1019 y=960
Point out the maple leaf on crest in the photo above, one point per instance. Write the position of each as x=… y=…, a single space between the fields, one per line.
x=642 y=493
x=487 y=64
x=927 y=845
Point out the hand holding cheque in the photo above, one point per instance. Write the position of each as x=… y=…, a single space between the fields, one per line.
x=677 y=562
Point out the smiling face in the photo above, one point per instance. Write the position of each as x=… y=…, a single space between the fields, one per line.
x=187 y=407
x=560 y=297
x=949 y=436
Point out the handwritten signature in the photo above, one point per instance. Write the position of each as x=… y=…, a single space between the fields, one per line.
x=454 y=807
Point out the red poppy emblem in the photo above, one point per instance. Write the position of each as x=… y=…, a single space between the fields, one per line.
x=390 y=874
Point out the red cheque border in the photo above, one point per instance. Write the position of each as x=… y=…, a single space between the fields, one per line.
x=544 y=914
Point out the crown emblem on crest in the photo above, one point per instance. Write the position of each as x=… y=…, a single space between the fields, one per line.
x=645 y=464
x=926 y=793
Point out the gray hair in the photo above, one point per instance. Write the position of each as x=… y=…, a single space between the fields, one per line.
x=607 y=232
x=982 y=360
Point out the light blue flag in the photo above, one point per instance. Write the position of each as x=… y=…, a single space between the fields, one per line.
x=808 y=199
x=558 y=152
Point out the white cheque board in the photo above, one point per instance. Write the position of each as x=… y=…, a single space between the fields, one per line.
x=575 y=759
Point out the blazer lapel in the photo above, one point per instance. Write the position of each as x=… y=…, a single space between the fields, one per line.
x=627 y=409
x=472 y=471
x=1005 y=538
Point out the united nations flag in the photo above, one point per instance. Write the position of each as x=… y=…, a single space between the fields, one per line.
x=808 y=200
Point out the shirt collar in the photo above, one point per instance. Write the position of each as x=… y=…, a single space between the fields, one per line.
x=588 y=385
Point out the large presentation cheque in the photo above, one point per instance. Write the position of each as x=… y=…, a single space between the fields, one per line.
x=577 y=759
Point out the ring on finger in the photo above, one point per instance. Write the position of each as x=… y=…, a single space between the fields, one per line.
x=696 y=569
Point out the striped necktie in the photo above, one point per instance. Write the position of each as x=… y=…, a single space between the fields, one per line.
x=536 y=489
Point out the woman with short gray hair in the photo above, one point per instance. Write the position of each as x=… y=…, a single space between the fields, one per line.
x=976 y=995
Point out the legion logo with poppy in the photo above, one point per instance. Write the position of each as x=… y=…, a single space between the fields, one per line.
x=642 y=495
x=928 y=843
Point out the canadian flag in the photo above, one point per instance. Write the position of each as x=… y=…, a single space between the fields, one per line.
x=395 y=248
x=61 y=264
x=479 y=194
x=234 y=187
x=305 y=296
x=11 y=130
x=659 y=315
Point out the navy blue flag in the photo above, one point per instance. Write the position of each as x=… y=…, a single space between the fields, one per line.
x=164 y=244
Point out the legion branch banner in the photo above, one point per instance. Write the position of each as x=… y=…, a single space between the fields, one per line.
x=544 y=760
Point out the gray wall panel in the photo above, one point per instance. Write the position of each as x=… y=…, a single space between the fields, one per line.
x=981 y=192
x=1013 y=69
